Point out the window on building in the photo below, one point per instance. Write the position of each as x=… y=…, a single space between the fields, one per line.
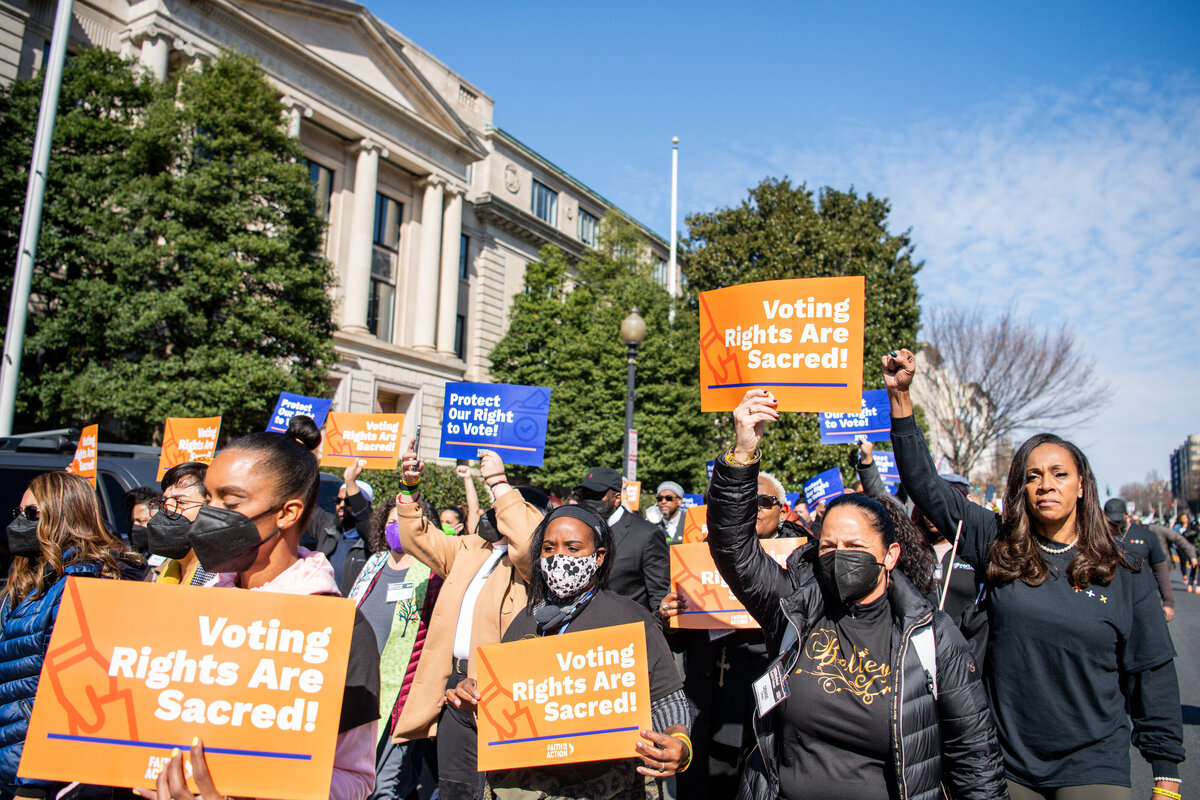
x=660 y=272
x=381 y=300
x=589 y=228
x=545 y=202
x=464 y=256
x=322 y=180
x=460 y=336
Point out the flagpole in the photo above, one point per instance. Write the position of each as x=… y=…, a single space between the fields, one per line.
x=672 y=265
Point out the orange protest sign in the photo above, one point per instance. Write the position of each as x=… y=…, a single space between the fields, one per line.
x=563 y=699
x=135 y=669
x=800 y=339
x=84 y=462
x=710 y=602
x=695 y=525
x=375 y=438
x=633 y=495
x=188 y=439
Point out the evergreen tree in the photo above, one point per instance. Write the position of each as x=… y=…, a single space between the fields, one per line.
x=179 y=269
x=783 y=231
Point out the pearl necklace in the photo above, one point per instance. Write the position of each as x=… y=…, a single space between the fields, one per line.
x=1051 y=550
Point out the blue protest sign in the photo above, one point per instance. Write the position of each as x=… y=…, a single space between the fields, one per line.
x=885 y=462
x=892 y=488
x=495 y=416
x=823 y=487
x=793 y=498
x=709 y=466
x=692 y=500
x=289 y=405
x=873 y=422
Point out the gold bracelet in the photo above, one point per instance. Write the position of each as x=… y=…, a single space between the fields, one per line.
x=1156 y=790
x=683 y=737
x=729 y=459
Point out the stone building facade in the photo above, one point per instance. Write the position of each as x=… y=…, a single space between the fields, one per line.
x=433 y=212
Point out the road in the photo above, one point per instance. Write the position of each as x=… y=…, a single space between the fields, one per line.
x=1185 y=631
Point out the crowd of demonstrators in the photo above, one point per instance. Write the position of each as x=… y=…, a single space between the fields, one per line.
x=1076 y=633
x=57 y=532
x=883 y=699
x=1143 y=547
x=1186 y=526
x=167 y=530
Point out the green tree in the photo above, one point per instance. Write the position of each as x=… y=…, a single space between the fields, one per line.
x=179 y=269
x=784 y=231
x=564 y=334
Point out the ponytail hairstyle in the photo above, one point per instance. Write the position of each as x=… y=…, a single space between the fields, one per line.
x=304 y=430
x=294 y=467
x=893 y=525
x=1016 y=556
x=70 y=530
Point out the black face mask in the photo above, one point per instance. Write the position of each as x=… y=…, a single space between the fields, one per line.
x=168 y=536
x=848 y=574
x=225 y=540
x=486 y=527
x=597 y=506
x=139 y=538
x=22 y=538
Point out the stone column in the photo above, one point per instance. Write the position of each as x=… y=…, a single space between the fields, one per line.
x=155 y=53
x=448 y=286
x=297 y=110
x=425 y=327
x=362 y=225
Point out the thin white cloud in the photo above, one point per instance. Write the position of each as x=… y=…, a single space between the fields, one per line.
x=1082 y=205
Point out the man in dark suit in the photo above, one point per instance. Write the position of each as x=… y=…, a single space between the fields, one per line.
x=642 y=570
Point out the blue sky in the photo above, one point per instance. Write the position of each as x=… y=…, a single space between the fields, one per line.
x=1043 y=153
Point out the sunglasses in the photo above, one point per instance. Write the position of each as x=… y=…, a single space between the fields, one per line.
x=29 y=512
x=666 y=498
x=172 y=507
x=768 y=501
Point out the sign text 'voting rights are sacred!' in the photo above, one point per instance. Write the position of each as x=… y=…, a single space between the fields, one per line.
x=800 y=339
x=507 y=418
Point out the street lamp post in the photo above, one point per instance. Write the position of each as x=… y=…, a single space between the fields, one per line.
x=633 y=332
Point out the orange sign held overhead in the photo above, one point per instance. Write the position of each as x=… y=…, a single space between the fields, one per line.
x=84 y=463
x=695 y=525
x=563 y=699
x=800 y=339
x=375 y=438
x=632 y=495
x=188 y=439
x=710 y=602
x=258 y=676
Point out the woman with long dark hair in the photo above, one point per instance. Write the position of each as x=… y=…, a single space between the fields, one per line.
x=872 y=692
x=56 y=533
x=568 y=590
x=1077 y=634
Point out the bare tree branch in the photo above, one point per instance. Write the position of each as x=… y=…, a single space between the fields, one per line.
x=986 y=379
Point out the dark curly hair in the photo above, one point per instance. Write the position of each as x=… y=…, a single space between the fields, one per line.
x=1016 y=556
x=376 y=538
x=889 y=520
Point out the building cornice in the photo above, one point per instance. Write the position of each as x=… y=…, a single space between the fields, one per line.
x=502 y=214
x=352 y=343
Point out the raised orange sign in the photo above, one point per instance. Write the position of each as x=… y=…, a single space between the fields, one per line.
x=375 y=438
x=695 y=525
x=563 y=699
x=801 y=339
x=135 y=669
x=188 y=439
x=710 y=602
x=84 y=462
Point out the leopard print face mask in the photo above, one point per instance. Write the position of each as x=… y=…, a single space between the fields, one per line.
x=567 y=575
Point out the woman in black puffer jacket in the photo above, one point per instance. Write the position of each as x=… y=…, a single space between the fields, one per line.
x=884 y=698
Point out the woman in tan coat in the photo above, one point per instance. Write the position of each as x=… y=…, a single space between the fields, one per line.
x=486 y=576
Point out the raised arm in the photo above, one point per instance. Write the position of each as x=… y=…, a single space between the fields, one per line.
x=427 y=543
x=868 y=473
x=941 y=503
x=463 y=471
x=753 y=576
x=515 y=519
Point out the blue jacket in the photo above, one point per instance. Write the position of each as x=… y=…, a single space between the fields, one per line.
x=24 y=636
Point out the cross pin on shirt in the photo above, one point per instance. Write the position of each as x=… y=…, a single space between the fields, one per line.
x=722 y=665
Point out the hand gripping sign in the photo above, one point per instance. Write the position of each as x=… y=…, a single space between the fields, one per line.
x=873 y=422
x=135 y=669
x=563 y=699
x=507 y=418
x=188 y=439
x=710 y=602
x=374 y=438
x=801 y=339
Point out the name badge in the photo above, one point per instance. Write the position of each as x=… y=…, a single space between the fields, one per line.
x=399 y=591
x=772 y=688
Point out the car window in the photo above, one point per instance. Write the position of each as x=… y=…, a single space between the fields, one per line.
x=111 y=495
x=13 y=483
